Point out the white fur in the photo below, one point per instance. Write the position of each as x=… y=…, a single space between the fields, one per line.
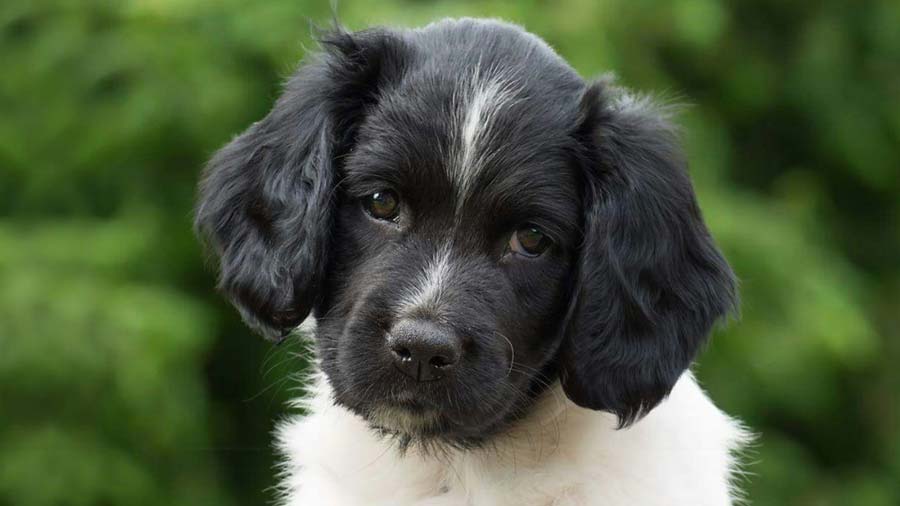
x=488 y=91
x=485 y=94
x=428 y=290
x=682 y=453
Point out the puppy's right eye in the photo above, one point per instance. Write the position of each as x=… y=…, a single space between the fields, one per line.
x=382 y=205
x=529 y=241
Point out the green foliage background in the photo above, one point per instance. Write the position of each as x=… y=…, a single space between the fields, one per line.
x=124 y=379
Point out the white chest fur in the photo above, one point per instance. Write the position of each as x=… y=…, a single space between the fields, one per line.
x=682 y=453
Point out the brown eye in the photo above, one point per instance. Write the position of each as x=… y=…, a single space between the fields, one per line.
x=383 y=205
x=529 y=241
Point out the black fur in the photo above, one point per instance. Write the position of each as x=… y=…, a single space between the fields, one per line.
x=616 y=308
x=651 y=281
x=266 y=200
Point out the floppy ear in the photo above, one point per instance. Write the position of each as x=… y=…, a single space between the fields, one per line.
x=650 y=281
x=265 y=202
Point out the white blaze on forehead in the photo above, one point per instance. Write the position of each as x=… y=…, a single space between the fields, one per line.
x=430 y=284
x=484 y=95
x=481 y=97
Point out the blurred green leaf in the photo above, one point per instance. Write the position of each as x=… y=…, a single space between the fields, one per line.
x=125 y=379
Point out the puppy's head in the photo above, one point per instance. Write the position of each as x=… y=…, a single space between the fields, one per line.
x=468 y=220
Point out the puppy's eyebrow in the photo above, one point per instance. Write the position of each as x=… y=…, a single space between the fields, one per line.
x=371 y=178
x=551 y=207
x=549 y=219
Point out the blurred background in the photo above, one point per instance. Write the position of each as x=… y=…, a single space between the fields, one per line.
x=126 y=380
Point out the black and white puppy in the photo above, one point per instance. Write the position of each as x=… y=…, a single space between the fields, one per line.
x=507 y=268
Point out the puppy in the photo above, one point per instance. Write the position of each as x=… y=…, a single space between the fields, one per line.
x=507 y=269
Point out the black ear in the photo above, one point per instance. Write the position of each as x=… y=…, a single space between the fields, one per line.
x=650 y=281
x=265 y=202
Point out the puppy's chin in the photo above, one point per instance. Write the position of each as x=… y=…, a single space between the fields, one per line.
x=428 y=429
x=410 y=422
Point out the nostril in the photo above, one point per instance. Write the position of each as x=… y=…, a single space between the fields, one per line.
x=423 y=350
x=402 y=353
x=440 y=362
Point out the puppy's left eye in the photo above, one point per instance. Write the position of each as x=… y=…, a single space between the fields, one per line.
x=382 y=205
x=529 y=241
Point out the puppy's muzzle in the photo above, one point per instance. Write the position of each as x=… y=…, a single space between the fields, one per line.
x=424 y=350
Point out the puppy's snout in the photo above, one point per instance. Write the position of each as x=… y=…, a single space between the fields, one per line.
x=424 y=350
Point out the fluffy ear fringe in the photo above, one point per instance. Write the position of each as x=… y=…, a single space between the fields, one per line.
x=651 y=282
x=265 y=201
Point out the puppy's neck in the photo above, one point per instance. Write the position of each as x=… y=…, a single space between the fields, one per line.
x=548 y=428
x=543 y=432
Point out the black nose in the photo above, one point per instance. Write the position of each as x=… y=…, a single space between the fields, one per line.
x=424 y=350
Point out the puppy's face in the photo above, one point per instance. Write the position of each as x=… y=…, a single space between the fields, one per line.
x=469 y=222
x=458 y=215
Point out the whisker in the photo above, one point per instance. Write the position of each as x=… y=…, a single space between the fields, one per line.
x=512 y=352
